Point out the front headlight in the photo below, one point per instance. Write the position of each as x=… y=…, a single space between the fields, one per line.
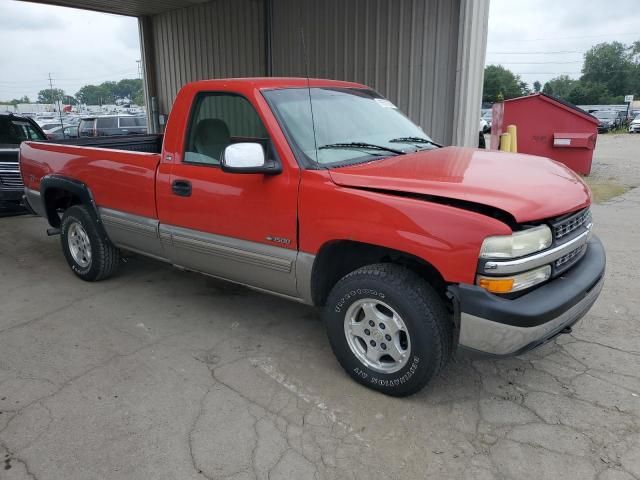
x=517 y=244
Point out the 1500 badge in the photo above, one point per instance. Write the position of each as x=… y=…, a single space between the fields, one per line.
x=282 y=240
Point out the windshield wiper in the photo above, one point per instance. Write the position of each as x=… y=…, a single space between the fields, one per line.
x=362 y=146
x=414 y=140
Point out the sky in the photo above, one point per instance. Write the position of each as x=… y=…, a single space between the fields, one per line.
x=77 y=47
x=537 y=39
x=541 y=39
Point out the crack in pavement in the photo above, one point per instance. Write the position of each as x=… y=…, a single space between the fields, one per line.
x=13 y=457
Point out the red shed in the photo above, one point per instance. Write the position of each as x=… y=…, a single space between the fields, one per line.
x=549 y=127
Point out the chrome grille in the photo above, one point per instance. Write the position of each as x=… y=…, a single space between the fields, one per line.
x=570 y=257
x=564 y=227
x=10 y=175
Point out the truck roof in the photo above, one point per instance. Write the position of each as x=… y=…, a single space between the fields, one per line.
x=275 y=82
x=14 y=116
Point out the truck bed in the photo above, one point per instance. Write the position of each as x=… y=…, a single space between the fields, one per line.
x=129 y=143
x=126 y=165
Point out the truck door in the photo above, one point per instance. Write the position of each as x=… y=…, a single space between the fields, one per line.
x=241 y=227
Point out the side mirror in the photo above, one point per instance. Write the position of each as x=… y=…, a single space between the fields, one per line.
x=248 y=158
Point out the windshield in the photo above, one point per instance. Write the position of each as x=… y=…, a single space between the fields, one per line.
x=605 y=115
x=351 y=125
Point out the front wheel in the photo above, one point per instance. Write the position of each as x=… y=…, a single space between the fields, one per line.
x=388 y=328
x=91 y=256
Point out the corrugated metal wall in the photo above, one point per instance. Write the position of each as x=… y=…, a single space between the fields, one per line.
x=408 y=50
x=405 y=49
x=222 y=38
x=472 y=48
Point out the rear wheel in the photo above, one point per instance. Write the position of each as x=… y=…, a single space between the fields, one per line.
x=388 y=328
x=91 y=256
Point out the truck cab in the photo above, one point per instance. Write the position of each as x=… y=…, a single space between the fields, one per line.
x=14 y=129
x=323 y=192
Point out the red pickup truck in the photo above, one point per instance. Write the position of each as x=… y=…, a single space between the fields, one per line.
x=324 y=192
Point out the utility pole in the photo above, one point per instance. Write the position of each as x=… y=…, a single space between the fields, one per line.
x=57 y=100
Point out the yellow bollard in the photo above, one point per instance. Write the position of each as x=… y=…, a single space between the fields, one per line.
x=505 y=142
x=513 y=132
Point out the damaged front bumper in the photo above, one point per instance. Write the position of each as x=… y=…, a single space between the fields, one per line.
x=499 y=326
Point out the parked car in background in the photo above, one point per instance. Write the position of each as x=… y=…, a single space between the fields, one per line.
x=110 y=125
x=487 y=116
x=608 y=120
x=71 y=131
x=484 y=126
x=42 y=118
x=14 y=129
x=58 y=133
x=46 y=126
x=413 y=249
x=623 y=118
x=634 y=126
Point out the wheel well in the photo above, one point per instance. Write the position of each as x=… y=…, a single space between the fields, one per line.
x=339 y=258
x=58 y=200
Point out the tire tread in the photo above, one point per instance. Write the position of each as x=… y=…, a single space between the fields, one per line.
x=105 y=256
x=424 y=298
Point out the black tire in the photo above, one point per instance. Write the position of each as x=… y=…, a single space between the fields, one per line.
x=428 y=323
x=104 y=256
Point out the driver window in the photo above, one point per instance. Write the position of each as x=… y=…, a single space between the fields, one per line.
x=218 y=120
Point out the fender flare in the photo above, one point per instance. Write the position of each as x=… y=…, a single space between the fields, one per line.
x=77 y=189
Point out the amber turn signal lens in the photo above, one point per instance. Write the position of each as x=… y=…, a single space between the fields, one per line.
x=496 y=285
x=521 y=281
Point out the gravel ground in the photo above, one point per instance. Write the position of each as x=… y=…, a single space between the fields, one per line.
x=617 y=158
x=161 y=374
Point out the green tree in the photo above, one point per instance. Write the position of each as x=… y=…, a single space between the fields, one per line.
x=633 y=88
x=129 y=88
x=589 y=93
x=69 y=100
x=559 y=87
x=498 y=81
x=109 y=92
x=50 y=95
x=537 y=86
x=609 y=64
x=16 y=101
x=96 y=94
x=138 y=98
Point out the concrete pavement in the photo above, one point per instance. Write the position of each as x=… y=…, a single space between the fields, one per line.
x=162 y=374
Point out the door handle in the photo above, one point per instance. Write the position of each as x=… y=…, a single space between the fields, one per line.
x=181 y=188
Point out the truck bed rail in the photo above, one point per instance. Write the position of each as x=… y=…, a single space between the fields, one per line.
x=131 y=143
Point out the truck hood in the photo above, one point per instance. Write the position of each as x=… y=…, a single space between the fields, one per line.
x=528 y=187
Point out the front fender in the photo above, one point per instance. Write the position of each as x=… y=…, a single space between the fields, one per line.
x=447 y=237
